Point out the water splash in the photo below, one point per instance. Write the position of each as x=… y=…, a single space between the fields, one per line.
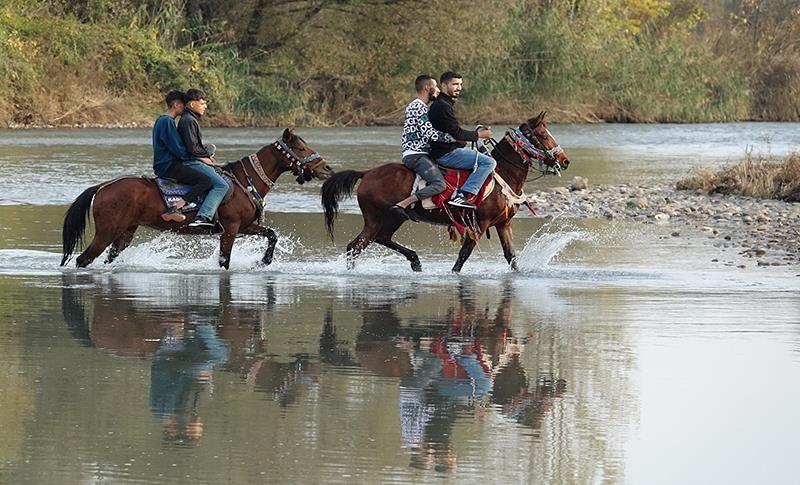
x=546 y=244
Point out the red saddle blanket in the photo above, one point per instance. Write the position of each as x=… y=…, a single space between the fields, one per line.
x=454 y=179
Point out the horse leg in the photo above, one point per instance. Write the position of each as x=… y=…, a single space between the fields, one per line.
x=105 y=232
x=226 y=243
x=258 y=230
x=359 y=243
x=506 y=241
x=99 y=244
x=120 y=244
x=463 y=254
x=384 y=238
x=468 y=246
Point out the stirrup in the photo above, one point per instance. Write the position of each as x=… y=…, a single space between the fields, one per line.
x=399 y=212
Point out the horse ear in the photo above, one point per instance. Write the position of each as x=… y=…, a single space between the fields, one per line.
x=534 y=122
x=288 y=134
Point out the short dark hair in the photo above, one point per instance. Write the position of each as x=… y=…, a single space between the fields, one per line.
x=421 y=81
x=194 y=94
x=174 y=96
x=448 y=75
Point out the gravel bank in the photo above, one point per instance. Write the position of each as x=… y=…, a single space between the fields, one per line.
x=768 y=231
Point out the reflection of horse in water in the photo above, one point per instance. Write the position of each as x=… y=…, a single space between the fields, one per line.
x=112 y=319
x=468 y=362
x=183 y=344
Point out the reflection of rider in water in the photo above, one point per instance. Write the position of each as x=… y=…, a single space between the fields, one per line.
x=448 y=373
x=474 y=365
x=181 y=369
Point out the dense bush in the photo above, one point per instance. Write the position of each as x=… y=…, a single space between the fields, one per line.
x=348 y=62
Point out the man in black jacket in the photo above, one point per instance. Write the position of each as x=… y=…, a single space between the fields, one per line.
x=455 y=154
x=207 y=178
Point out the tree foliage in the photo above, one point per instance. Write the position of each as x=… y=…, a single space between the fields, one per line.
x=353 y=61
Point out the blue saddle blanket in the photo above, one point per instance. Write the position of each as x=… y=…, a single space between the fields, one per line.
x=172 y=192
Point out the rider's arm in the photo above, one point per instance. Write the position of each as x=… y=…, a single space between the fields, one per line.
x=443 y=118
x=428 y=133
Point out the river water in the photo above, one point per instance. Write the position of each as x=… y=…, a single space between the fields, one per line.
x=618 y=354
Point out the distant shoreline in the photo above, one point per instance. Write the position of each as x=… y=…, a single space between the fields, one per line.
x=214 y=124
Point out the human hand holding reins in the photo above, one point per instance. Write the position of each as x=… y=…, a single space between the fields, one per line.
x=485 y=133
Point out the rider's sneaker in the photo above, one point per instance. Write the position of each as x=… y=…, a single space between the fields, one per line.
x=460 y=200
x=201 y=222
x=173 y=215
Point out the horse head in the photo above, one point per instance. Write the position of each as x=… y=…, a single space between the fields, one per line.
x=535 y=130
x=304 y=162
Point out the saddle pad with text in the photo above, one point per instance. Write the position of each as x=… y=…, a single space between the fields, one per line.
x=172 y=192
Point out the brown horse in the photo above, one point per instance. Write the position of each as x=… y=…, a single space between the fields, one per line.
x=121 y=205
x=387 y=184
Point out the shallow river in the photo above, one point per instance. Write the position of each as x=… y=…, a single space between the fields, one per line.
x=618 y=354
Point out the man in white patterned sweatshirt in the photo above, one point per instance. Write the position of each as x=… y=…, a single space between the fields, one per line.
x=417 y=135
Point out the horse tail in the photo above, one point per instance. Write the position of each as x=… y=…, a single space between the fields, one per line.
x=337 y=187
x=75 y=222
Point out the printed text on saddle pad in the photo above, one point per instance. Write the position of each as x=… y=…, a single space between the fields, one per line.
x=453 y=179
x=172 y=192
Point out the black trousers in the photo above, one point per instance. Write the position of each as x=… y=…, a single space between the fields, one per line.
x=187 y=175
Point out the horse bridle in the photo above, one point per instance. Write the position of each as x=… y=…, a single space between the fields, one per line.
x=297 y=165
x=534 y=152
x=531 y=144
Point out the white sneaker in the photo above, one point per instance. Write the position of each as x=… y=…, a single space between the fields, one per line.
x=201 y=222
x=460 y=200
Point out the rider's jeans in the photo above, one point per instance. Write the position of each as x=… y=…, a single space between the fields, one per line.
x=464 y=159
x=430 y=173
x=202 y=178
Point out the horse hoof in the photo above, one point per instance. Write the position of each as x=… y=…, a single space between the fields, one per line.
x=417 y=268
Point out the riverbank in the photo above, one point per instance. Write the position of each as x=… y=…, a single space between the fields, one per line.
x=762 y=232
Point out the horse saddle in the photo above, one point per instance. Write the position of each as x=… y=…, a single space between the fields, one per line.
x=172 y=192
x=454 y=179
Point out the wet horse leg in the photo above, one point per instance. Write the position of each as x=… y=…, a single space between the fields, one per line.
x=384 y=238
x=258 y=230
x=120 y=244
x=359 y=243
x=468 y=246
x=226 y=239
x=463 y=254
x=504 y=233
x=99 y=244
x=107 y=231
